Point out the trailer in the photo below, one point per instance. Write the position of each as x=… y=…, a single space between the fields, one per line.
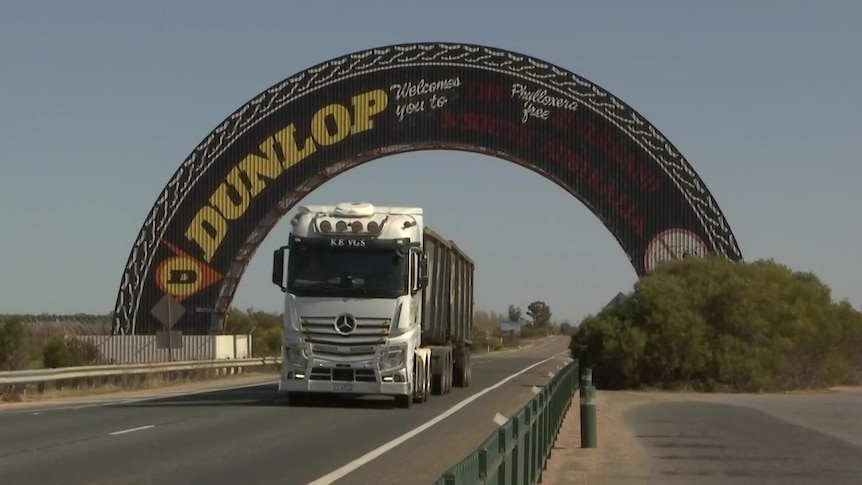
x=375 y=303
x=447 y=322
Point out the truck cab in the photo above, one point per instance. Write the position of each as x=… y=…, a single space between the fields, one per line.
x=353 y=276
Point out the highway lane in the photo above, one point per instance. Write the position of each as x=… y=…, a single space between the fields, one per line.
x=250 y=436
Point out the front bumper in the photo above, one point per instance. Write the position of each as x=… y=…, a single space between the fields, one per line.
x=339 y=387
x=345 y=374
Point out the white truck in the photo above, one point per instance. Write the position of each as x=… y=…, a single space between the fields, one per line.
x=375 y=304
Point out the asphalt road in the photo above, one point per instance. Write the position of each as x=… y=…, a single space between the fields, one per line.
x=250 y=436
x=763 y=440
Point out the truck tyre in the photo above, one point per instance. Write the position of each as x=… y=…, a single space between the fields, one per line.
x=423 y=393
x=437 y=384
x=461 y=368
x=404 y=401
x=450 y=375
x=297 y=399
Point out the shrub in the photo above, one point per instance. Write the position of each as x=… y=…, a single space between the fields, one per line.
x=60 y=351
x=11 y=336
x=711 y=324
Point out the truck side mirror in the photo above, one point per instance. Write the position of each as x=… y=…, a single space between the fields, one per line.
x=423 y=271
x=278 y=268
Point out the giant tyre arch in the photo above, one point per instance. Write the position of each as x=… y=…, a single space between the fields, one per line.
x=258 y=163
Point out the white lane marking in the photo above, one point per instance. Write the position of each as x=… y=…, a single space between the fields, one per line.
x=132 y=430
x=340 y=473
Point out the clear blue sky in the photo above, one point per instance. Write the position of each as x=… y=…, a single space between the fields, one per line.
x=101 y=100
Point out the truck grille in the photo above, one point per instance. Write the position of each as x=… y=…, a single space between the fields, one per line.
x=369 y=333
x=344 y=375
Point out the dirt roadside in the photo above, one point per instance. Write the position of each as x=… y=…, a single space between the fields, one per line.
x=622 y=458
x=619 y=458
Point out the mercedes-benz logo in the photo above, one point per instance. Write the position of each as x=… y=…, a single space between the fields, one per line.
x=345 y=324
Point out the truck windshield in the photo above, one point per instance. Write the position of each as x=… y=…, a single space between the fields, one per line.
x=346 y=272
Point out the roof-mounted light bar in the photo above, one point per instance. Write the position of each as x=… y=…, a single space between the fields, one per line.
x=329 y=226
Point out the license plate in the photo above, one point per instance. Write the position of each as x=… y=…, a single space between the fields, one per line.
x=342 y=387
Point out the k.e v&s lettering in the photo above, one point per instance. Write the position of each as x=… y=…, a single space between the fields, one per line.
x=330 y=125
x=348 y=243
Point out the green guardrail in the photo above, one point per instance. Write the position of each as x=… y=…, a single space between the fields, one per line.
x=517 y=451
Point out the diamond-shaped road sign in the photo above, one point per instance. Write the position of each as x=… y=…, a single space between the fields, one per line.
x=168 y=311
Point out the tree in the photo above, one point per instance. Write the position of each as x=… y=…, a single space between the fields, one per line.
x=514 y=313
x=11 y=336
x=540 y=313
x=709 y=323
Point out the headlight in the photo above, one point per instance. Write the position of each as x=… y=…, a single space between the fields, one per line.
x=393 y=359
x=296 y=357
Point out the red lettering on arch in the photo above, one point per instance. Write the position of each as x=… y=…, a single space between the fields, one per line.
x=603 y=140
x=484 y=92
x=608 y=192
x=487 y=125
x=554 y=150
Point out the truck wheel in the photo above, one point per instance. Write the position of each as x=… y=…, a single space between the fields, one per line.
x=404 y=401
x=297 y=399
x=447 y=372
x=428 y=382
x=423 y=391
x=437 y=384
x=461 y=369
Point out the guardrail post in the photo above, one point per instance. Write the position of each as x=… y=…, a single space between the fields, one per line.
x=516 y=449
x=589 y=438
x=501 y=469
x=586 y=379
x=528 y=449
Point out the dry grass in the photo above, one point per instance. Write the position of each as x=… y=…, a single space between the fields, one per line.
x=147 y=382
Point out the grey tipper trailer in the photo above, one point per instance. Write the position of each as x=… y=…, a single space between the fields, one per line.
x=447 y=312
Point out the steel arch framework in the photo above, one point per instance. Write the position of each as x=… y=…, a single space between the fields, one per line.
x=265 y=157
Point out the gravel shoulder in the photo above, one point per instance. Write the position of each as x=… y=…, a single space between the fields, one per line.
x=619 y=457
x=664 y=437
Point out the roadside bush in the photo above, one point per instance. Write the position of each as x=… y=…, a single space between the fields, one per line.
x=710 y=324
x=267 y=342
x=60 y=351
x=481 y=342
x=11 y=336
